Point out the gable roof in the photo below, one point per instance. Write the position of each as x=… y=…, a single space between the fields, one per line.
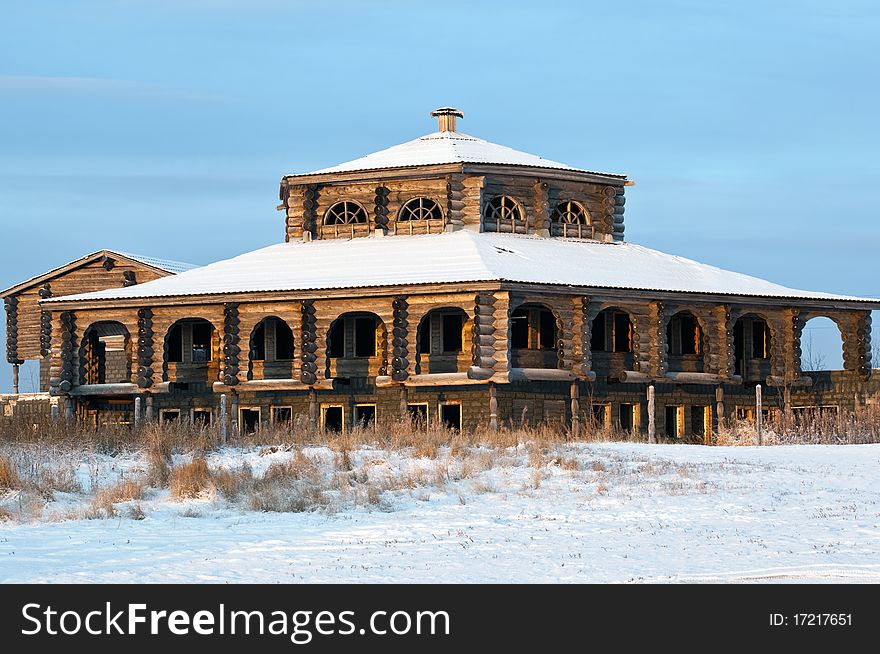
x=159 y=265
x=456 y=257
x=448 y=148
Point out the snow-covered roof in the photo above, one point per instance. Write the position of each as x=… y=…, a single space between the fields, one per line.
x=456 y=257
x=449 y=148
x=164 y=265
x=167 y=265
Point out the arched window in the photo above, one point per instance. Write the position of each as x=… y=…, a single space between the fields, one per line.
x=503 y=208
x=570 y=213
x=105 y=355
x=684 y=335
x=533 y=337
x=272 y=340
x=420 y=209
x=612 y=331
x=345 y=213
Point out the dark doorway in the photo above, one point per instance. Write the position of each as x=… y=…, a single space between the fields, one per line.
x=365 y=415
x=450 y=416
x=250 y=420
x=282 y=415
x=333 y=418
x=625 y=417
x=202 y=417
x=418 y=413
x=673 y=421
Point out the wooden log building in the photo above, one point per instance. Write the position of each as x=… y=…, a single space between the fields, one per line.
x=445 y=278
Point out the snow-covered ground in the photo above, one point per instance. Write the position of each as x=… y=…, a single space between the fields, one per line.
x=610 y=512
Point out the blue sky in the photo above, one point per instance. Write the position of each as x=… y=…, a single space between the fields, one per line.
x=163 y=128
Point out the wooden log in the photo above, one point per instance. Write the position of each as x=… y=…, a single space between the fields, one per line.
x=475 y=372
x=273 y=385
x=540 y=374
x=694 y=378
x=443 y=379
x=632 y=377
x=652 y=416
x=103 y=389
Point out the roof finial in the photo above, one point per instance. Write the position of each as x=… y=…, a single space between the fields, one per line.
x=446 y=118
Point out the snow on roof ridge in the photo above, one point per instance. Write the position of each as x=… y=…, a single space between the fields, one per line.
x=437 y=148
x=456 y=258
x=168 y=265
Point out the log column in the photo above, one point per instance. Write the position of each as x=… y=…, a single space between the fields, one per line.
x=484 y=333
x=617 y=215
x=231 y=344
x=583 y=356
x=659 y=356
x=542 y=208
x=309 y=368
x=12 y=357
x=68 y=351
x=45 y=323
x=792 y=345
x=310 y=212
x=380 y=208
x=455 y=203
x=855 y=330
x=145 y=348
x=722 y=363
x=400 y=339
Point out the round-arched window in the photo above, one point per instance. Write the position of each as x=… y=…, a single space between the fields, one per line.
x=503 y=208
x=420 y=209
x=570 y=213
x=345 y=213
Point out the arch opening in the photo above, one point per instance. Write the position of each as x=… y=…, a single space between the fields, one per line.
x=105 y=354
x=534 y=337
x=440 y=343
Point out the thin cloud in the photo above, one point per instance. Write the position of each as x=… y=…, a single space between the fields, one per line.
x=95 y=86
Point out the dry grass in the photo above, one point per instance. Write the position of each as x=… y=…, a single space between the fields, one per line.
x=190 y=479
x=9 y=478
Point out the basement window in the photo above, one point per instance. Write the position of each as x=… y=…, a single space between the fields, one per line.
x=701 y=420
x=169 y=415
x=202 y=417
x=249 y=420
x=450 y=416
x=675 y=421
x=332 y=418
x=365 y=415
x=281 y=415
x=418 y=413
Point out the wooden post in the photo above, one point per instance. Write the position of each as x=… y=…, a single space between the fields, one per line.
x=149 y=412
x=719 y=405
x=69 y=409
x=313 y=408
x=493 y=407
x=759 y=419
x=235 y=413
x=404 y=402
x=224 y=420
x=575 y=410
x=15 y=371
x=652 y=427
x=53 y=412
x=137 y=411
